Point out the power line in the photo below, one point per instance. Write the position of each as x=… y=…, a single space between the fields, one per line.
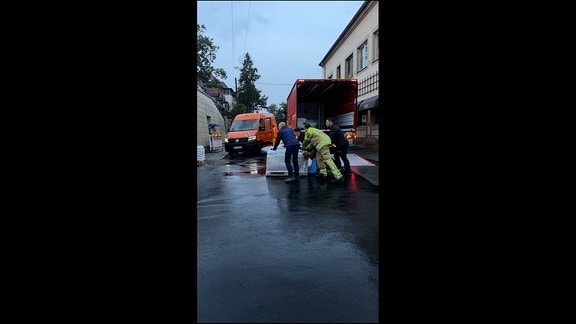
x=247 y=23
x=232 y=12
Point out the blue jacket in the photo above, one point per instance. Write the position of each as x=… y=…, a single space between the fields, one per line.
x=286 y=134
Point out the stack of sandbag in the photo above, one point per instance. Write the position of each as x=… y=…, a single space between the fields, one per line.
x=275 y=165
x=200 y=154
x=265 y=149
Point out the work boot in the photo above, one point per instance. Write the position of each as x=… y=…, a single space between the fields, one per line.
x=337 y=181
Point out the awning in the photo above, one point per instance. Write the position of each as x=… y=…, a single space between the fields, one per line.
x=369 y=103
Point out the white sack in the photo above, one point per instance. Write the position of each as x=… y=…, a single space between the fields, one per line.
x=275 y=165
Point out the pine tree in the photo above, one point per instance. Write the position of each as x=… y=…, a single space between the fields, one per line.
x=249 y=97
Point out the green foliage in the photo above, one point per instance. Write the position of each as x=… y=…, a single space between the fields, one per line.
x=223 y=112
x=272 y=109
x=238 y=109
x=248 y=95
x=282 y=112
x=206 y=54
x=278 y=112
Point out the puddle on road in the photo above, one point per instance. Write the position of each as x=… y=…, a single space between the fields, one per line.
x=255 y=167
x=251 y=172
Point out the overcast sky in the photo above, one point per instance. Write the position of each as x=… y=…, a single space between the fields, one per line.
x=285 y=39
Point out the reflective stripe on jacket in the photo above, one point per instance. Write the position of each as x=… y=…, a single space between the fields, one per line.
x=315 y=138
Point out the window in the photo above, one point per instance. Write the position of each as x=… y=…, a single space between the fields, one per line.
x=375 y=46
x=240 y=125
x=363 y=56
x=348 y=67
x=362 y=115
x=338 y=75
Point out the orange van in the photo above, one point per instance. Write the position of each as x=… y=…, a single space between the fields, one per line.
x=250 y=132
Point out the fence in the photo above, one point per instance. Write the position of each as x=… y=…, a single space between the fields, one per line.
x=369 y=84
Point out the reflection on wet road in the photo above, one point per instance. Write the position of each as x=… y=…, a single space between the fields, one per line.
x=270 y=251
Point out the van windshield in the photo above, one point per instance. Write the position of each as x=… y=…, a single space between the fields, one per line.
x=242 y=125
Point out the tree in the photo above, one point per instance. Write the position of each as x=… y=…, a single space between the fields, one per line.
x=273 y=109
x=205 y=57
x=282 y=112
x=278 y=112
x=248 y=95
x=238 y=109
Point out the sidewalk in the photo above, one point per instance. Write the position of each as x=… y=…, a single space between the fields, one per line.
x=217 y=155
x=369 y=173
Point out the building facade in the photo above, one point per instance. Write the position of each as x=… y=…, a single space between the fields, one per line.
x=224 y=97
x=355 y=55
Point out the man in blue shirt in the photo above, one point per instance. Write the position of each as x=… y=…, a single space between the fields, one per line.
x=286 y=134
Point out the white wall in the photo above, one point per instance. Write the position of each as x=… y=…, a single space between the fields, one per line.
x=206 y=107
x=228 y=98
x=361 y=31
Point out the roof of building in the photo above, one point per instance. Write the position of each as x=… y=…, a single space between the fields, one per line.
x=345 y=32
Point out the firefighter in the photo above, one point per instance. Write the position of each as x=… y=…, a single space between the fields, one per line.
x=316 y=139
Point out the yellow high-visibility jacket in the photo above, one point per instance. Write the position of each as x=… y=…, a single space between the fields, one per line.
x=315 y=138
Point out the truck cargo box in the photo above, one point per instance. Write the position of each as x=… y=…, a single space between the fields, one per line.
x=312 y=101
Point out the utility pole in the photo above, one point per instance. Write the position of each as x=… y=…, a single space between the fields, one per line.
x=236 y=90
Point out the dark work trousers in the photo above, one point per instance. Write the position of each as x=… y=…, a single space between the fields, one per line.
x=292 y=154
x=340 y=153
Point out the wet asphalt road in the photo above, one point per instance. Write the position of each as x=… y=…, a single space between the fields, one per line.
x=269 y=251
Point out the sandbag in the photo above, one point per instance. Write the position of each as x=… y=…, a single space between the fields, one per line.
x=200 y=154
x=275 y=165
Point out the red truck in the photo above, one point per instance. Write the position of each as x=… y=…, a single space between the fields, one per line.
x=313 y=100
